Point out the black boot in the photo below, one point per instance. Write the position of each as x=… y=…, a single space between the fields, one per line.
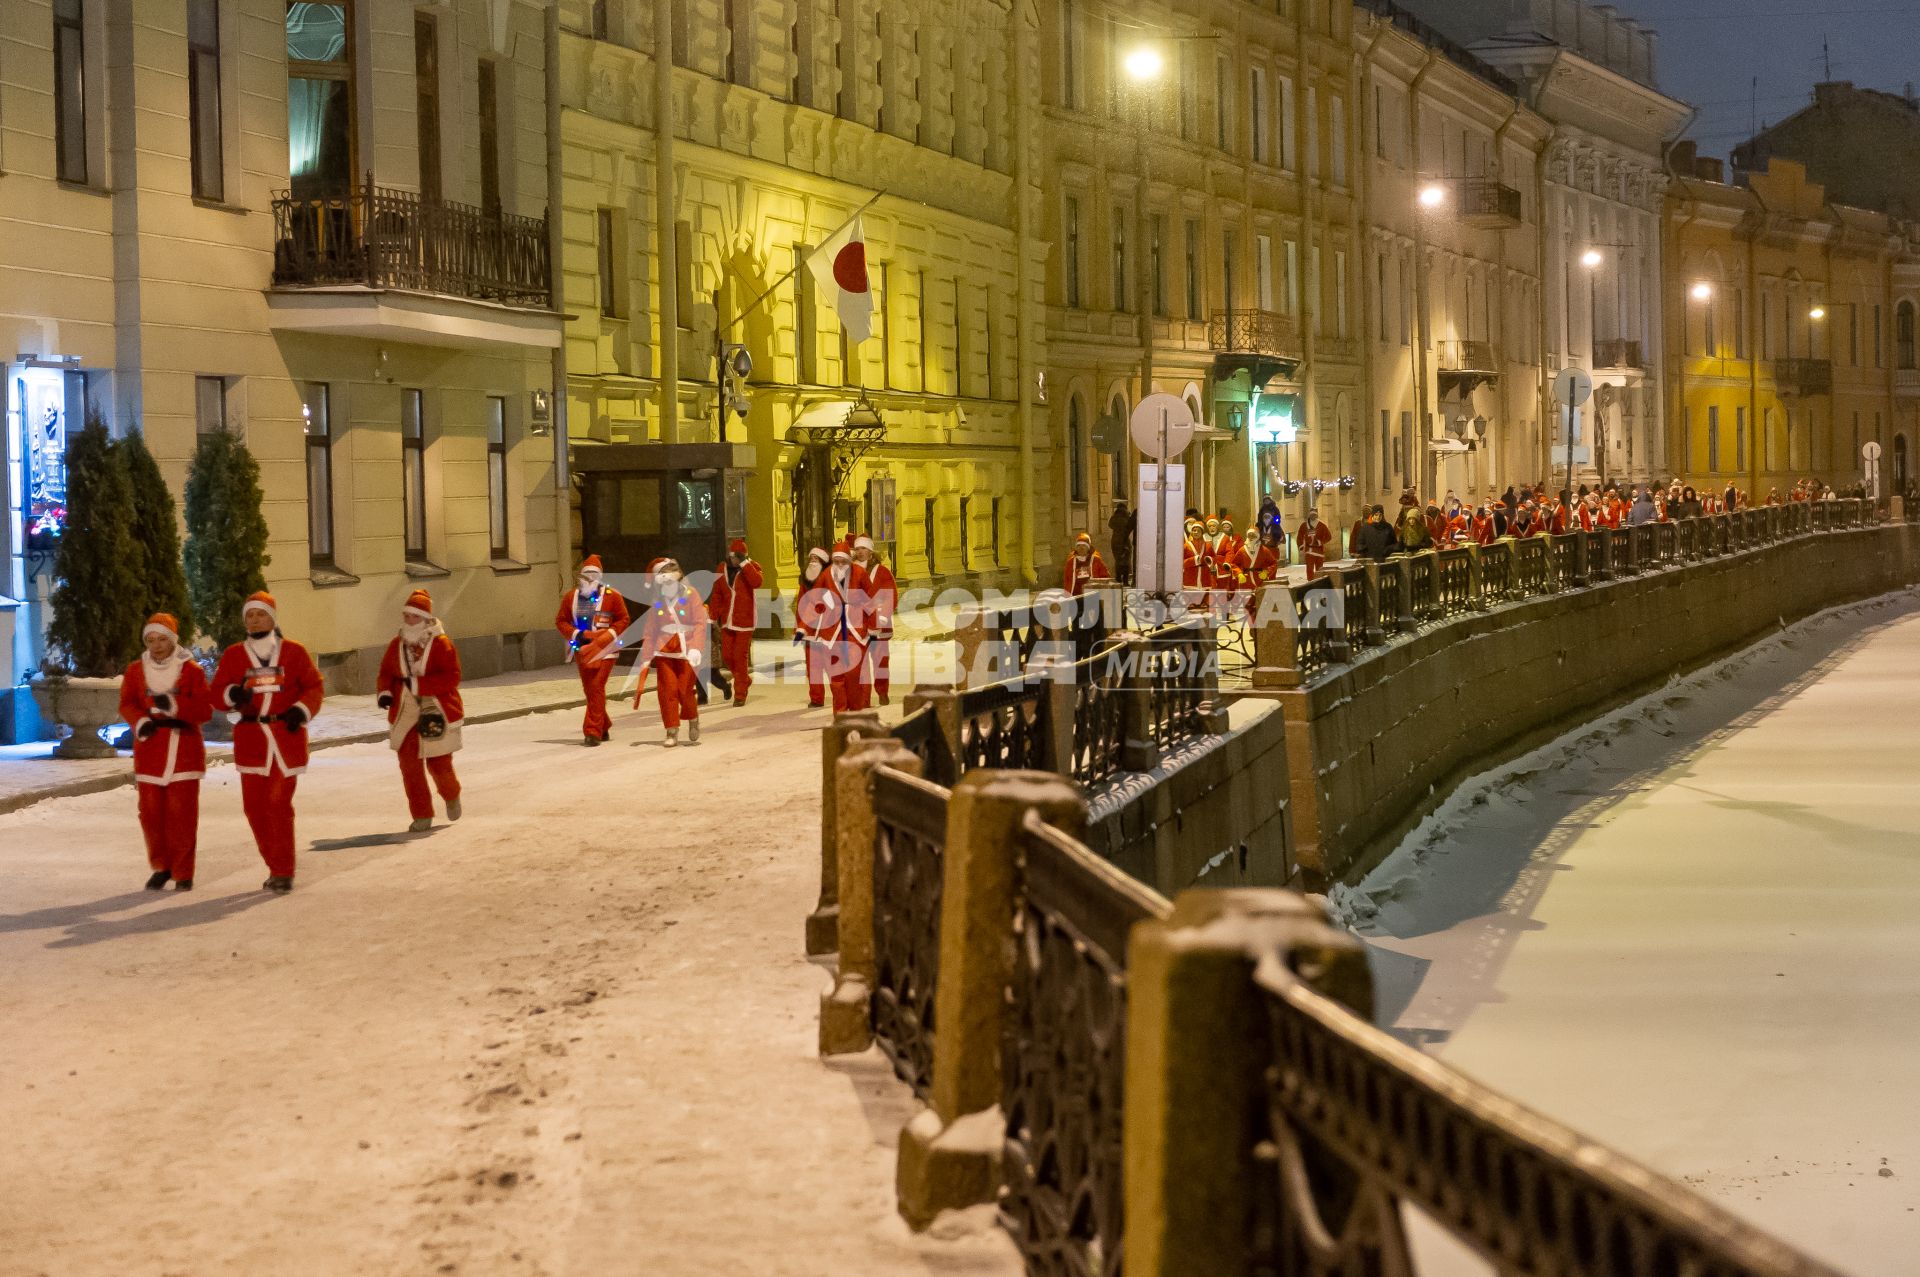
x=158 y=880
x=593 y=742
x=281 y=885
x=183 y=884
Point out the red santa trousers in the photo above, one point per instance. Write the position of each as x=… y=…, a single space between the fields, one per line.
x=846 y=667
x=816 y=674
x=268 y=802
x=414 y=771
x=736 y=653
x=1315 y=562
x=678 y=688
x=593 y=681
x=878 y=652
x=170 y=819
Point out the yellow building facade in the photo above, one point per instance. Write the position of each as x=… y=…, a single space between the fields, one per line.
x=786 y=120
x=1785 y=314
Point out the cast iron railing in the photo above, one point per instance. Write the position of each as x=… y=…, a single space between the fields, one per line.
x=1003 y=725
x=909 y=842
x=381 y=237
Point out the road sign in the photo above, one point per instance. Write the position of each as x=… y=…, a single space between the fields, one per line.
x=1573 y=387
x=1162 y=426
x=1870 y=450
x=1159 y=542
x=1109 y=434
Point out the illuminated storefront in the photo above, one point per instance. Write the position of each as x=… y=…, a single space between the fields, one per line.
x=45 y=399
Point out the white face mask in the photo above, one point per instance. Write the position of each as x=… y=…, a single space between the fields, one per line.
x=670 y=582
x=414 y=630
x=589 y=584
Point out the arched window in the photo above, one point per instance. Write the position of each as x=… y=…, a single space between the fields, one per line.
x=1076 y=450
x=1903 y=336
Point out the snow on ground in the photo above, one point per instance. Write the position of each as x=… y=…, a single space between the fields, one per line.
x=573 y=1034
x=1692 y=931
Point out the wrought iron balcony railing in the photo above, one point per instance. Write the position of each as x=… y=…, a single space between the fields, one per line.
x=1803 y=377
x=1618 y=352
x=1254 y=332
x=387 y=238
x=1906 y=381
x=1467 y=357
x=1483 y=202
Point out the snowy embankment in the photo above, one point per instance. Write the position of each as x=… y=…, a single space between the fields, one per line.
x=1691 y=929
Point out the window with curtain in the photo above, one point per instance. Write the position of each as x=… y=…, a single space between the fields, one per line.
x=489 y=135
x=426 y=102
x=497 y=524
x=1903 y=336
x=413 y=472
x=69 y=91
x=316 y=416
x=319 y=99
x=209 y=405
x=203 y=98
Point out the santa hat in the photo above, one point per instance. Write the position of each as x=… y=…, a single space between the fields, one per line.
x=841 y=550
x=863 y=543
x=1226 y=525
x=161 y=623
x=1083 y=539
x=262 y=601
x=816 y=554
x=660 y=565
x=591 y=564
x=736 y=546
x=419 y=604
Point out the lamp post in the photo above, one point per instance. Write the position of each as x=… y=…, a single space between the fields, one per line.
x=1591 y=261
x=1700 y=293
x=1143 y=65
x=1431 y=198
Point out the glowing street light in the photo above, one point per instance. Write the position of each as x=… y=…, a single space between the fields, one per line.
x=1702 y=292
x=1432 y=196
x=1817 y=313
x=1591 y=259
x=1144 y=63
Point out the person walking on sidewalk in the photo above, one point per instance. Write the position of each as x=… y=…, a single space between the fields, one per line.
x=1313 y=538
x=419 y=686
x=732 y=605
x=593 y=617
x=813 y=580
x=1084 y=566
x=275 y=689
x=164 y=697
x=883 y=596
x=673 y=645
x=832 y=617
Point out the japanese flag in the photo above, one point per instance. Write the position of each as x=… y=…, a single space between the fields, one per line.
x=840 y=272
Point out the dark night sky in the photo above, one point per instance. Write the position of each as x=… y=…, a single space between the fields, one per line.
x=1710 y=50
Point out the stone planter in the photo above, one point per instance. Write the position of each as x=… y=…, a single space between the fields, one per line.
x=84 y=705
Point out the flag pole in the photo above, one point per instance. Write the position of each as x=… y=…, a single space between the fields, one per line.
x=795 y=269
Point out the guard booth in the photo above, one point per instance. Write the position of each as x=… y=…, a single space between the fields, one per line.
x=643 y=501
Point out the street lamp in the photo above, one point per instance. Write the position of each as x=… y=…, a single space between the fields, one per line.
x=1144 y=63
x=1432 y=196
x=1702 y=292
x=1591 y=259
x=1817 y=314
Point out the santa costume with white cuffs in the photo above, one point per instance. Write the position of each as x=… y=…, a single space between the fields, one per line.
x=421 y=672
x=593 y=617
x=813 y=582
x=166 y=703
x=883 y=597
x=833 y=616
x=732 y=604
x=272 y=685
x=673 y=647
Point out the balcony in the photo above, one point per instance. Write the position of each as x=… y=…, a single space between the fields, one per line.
x=1487 y=204
x=1261 y=341
x=1465 y=366
x=1906 y=382
x=372 y=261
x=1803 y=378
x=1617 y=353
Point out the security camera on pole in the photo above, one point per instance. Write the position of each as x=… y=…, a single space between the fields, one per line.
x=1161 y=427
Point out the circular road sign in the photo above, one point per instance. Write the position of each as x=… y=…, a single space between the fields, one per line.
x=1573 y=387
x=1109 y=434
x=1870 y=450
x=1162 y=426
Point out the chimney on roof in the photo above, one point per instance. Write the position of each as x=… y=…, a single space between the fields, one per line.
x=1831 y=92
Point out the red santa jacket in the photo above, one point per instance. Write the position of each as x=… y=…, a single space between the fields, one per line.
x=731 y=600
x=1313 y=539
x=829 y=611
x=883 y=597
x=1077 y=573
x=675 y=629
x=1190 y=556
x=436 y=673
x=262 y=743
x=1482 y=529
x=176 y=751
x=1266 y=564
x=591 y=625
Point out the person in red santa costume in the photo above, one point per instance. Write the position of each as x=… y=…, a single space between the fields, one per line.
x=274 y=689
x=419 y=687
x=673 y=648
x=832 y=617
x=1083 y=565
x=813 y=581
x=593 y=617
x=883 y=597
x=164 y=697
x=1192 y=562
x=1313 y=537
x=732 y=603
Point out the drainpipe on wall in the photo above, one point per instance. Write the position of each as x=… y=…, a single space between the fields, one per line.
x=1310 y=205
x=666 y=254
x=1423 y=296
x=1506 y=383
x=1548 y=411
x=1024 y=360
x=1363 y=196
x=556 y=217
x=1674 y=236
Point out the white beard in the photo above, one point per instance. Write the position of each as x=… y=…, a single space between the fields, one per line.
x=416 y=634
x=588 y=586
x=841 y=575
x=162 y=676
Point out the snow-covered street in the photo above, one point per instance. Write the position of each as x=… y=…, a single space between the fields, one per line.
x=1692 y=931
x=573 y=1034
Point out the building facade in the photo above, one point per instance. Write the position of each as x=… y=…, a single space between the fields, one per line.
x=1590 y=72
x=781 y=122
x=318 y=225
x=1204 y=221
x=1451 y=275
x=1793 y=320
x=1861 y=146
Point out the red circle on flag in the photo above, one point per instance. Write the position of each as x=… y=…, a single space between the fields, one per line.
x=850 y=267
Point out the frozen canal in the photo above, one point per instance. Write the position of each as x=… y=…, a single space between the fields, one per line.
x=1693 y=932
